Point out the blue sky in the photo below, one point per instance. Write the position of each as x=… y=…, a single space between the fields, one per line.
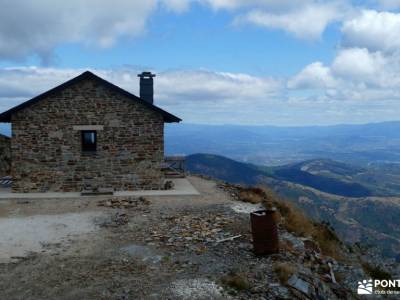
x=305 y=62
x=199 y=38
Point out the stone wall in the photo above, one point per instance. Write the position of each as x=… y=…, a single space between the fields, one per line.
x=47 y=152
x=5 y=155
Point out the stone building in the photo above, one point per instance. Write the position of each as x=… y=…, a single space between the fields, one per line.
x=88 y=133
x=5 y=155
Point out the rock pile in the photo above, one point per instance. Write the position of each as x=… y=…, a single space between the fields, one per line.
x=312 y=275
x=184 y=231
x=126 y=202
x=231 y=189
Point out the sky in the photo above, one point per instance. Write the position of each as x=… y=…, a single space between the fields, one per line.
x=252 y=62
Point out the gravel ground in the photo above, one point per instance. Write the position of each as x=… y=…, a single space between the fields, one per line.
x=75 y=249
x=23 y=235
x=182 y=247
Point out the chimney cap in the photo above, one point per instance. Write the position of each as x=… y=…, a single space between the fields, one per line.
x=146 y=74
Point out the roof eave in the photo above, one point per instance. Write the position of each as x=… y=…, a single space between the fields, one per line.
x=5 y=117
x=172 y=119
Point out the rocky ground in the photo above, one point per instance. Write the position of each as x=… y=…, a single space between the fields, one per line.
x=186 y=247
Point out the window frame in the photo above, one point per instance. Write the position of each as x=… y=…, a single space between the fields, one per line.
x=88 y=148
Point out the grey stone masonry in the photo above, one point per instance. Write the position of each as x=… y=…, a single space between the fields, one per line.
x=5 y=155
x=46 y=142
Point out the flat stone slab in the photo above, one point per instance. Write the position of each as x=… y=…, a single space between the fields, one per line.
x=182 y=187
x=299 y=284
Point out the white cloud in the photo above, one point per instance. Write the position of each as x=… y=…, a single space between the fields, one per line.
x=269 y=4
x=307 y=22
x=373 y=30
x=359 y=64
x=200 y=96
x=33 y=80
x=313 y=76
x=357 y=78
x=189 y=94
x=27 y=27
x=360 y=84
x=214 y=86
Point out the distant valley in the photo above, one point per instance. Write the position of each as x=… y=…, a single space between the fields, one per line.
x=324 y=175
x=364 y=145
x=347 y=175
x=341 y=194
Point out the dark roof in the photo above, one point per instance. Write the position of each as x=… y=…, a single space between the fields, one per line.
x=5 y=117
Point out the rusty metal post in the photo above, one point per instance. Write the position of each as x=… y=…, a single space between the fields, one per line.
x=265 y=232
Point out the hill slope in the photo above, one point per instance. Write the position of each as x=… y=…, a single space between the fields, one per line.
x=236 y=172
x=224 y=169
x=370 y=220
x=324 y=175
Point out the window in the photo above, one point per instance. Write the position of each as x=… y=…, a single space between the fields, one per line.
x=89 y=141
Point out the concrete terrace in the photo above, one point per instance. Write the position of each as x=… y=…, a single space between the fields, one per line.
x=182 y=187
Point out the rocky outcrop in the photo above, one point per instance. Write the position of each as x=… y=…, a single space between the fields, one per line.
x=5 y=155
x=313 y=262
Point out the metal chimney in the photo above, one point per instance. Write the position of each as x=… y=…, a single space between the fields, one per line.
x=146 y=86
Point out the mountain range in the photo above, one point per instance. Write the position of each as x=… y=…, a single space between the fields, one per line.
x=364 y=145
x=325 y=175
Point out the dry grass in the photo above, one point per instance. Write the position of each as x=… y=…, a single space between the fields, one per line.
x=284 y=271
x=328 y=241
x=295 y=221
x=251 y=195
x=340 y=277
x=375 y=271
x=236 y=281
